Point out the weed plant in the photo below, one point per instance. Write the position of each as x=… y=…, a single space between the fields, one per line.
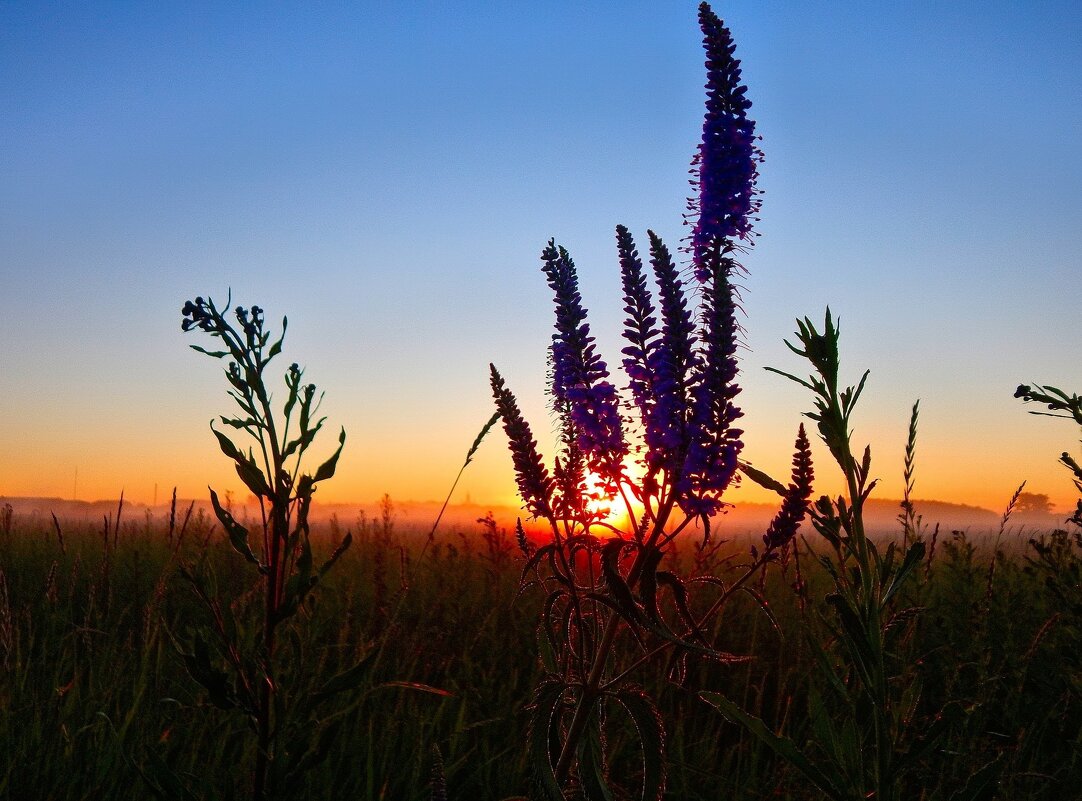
x=237 y=672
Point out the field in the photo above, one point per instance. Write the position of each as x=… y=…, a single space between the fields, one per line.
x=624 y=632
x=98 y=702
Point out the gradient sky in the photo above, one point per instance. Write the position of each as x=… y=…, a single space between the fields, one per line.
x=387 y=174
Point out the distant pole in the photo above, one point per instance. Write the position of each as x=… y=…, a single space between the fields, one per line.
x=155 y=494
x=75 y=488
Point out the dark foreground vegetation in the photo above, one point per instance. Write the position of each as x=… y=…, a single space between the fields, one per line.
x=97 y=702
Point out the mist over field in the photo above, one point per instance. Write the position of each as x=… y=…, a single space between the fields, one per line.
x=418 y=517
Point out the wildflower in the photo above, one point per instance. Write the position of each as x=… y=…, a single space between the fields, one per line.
x=714 y=444
x=673 y=363
x=795 y=506
x=534 y=483
x=725 y=166
x=640 y=325
x=580 y=384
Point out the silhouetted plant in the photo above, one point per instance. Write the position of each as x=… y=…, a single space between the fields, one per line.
x=609 y=608
x=1059 y=404
x=877 y=747
x=217 y=656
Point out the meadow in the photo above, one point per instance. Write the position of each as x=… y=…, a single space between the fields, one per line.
x=98 y=702
x=616 y=642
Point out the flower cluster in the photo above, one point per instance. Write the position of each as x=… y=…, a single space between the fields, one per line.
x=725 y=167
x=198 y=314
x=680 y=360
x=580 y=386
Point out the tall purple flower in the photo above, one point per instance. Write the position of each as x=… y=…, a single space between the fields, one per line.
x=580 y=385
x=673 y=363
x=714 y=444
x=725 y=166
x=641 y=334
x=534 y=483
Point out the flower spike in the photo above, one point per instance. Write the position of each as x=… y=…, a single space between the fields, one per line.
x=795 y=506
x=580 y=385
x=725 y=168
x=534 y=483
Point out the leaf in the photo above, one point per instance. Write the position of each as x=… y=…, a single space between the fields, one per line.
x=301 y=443
x=680 y=596
x=212 y=679
x=782 y=746
x=238 y=534
x=592 y=772
x=790 y=376
x=348 y=679
x=227 y=446
x=543 y=718
x=618 y=587
x=253 y=478
x=276 y=348
x=856 y=641
x=652 y=738
x=762 y=479
x=326 y=470
x=913 y=557
x=214 y=354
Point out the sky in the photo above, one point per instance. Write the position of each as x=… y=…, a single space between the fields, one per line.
x=386 y=174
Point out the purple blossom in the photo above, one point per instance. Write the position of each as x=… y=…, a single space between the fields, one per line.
x=714 y=445
x=580 y=384
x=640 y=325
x=795 y=505
x=673 y=363
x=725 y=167
x=534 y=483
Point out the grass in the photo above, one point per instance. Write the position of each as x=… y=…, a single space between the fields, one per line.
x=97 y=702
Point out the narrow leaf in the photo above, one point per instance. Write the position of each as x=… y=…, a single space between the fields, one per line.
x=782 y=746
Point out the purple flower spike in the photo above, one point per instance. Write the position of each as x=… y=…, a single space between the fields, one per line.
x=714 y=444
x=795 y=506
x=580 y=384
x=673 y=363
x=640 y=331
x=725 y=168
x=534 y=483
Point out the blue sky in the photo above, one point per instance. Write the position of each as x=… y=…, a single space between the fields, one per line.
x=386 y=174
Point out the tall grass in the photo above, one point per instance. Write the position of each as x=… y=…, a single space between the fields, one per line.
x=96 y=698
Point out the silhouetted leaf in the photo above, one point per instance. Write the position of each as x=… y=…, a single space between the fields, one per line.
x=214 y=354
x=592 y=772
x=238 y=534
x=784 y=747
x=762 y=479
x=547 y=702
x=326 y=470
x=651 y=737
